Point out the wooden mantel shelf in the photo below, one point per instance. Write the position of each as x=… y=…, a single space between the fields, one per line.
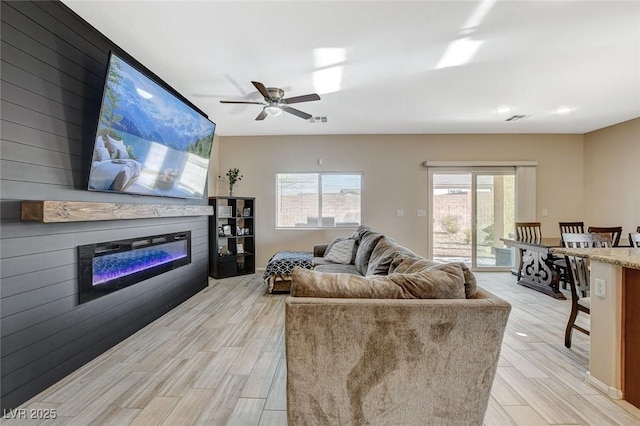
x=82 y=211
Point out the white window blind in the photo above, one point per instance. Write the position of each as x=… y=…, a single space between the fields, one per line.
x=526 y=194
x=318 y=200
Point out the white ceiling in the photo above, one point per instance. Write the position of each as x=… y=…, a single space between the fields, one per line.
x=534 y=56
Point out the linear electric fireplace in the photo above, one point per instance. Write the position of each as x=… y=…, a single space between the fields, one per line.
x=110 y=266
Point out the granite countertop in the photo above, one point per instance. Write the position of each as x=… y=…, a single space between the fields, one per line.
x=627 y=257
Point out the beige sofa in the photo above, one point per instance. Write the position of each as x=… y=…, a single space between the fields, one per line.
x=371 y=351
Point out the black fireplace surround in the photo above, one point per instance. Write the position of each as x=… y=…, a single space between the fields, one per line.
x=109 y=266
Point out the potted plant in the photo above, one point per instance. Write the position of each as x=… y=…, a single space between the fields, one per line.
x=233 y=176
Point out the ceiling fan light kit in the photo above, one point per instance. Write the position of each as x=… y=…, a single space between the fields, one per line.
x=272 y=110
x=274 y=102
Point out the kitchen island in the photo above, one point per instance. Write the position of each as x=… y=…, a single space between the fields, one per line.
x=614 y=350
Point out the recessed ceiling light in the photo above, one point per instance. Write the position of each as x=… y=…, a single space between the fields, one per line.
x=503 y=110
x=564 y=110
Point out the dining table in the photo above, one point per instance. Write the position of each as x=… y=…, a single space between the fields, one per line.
x=538 y=272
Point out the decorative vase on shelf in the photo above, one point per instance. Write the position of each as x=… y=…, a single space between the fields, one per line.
x=233 y=176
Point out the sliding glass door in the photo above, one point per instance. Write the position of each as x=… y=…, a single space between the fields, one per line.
x=471 y=209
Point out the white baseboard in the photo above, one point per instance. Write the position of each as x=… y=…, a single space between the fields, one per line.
x=610 y=391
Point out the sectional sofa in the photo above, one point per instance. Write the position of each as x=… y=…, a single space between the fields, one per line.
x=390 y=338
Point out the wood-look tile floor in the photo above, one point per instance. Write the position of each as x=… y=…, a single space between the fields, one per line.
x=218 y=359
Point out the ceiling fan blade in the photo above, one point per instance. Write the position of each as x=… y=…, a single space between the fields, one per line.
x=241 y=102
x=297 y=112
x=303 y=98
x=261 y=116
x=263 y=90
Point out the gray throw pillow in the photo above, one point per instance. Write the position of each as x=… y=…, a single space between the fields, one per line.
x=358 y=233
x=365 y=248
x=335 y=241
x=341 y=252
x=383 y=255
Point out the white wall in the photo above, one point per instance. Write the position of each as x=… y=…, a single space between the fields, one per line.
x=394 y=177
x=612 y=176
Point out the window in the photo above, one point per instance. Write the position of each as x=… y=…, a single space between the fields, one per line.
x=318 y=200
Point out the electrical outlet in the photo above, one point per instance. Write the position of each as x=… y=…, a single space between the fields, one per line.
x=399 y=212
x=600 y=288
x=545 y=212
x=421 y=213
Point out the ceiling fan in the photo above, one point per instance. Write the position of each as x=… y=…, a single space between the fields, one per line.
x=274 y=102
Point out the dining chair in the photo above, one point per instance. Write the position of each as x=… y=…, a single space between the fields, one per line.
x=529 y=232
x=634 y=239
x=613 y=231
x=578 y=272
x=570 y=227
x=560 y=264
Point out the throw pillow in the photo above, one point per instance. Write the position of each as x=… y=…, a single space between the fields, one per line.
x=402 y=262
x=122 y=153
x=358 y=233
x=102 y=154
x=118 y=142
x=113 y=145
x=365 y=248
x=99 y=142
x=406 y=265
x=445 y=283
x=470 y=287
x=331 y=244
x=417 y=266
x=383 y=255
x=310 y=283
x=341 y=252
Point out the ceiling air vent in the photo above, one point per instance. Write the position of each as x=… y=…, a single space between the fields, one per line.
x=322 y=119
x=517 y=117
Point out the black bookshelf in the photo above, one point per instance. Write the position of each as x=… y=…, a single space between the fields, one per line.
x=232 y=237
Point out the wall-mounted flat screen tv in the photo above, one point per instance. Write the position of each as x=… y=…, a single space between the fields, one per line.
x=148 y=141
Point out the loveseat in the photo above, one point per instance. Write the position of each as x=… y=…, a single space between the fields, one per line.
x=407 y=342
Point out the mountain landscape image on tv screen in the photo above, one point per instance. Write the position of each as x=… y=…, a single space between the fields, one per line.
x=148 y=141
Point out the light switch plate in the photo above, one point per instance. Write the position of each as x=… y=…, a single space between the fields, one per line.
x=421 y=213
x=600 y=288
x=399 y=212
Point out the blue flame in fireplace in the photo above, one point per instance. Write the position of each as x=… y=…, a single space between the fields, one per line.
x=112 y=266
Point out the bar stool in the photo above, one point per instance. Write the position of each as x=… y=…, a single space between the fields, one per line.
x=570 y=228
x=613 y=231
x=561 y=264
x=579 y=278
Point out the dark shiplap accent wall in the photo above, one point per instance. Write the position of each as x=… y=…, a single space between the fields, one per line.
x=53 y=69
